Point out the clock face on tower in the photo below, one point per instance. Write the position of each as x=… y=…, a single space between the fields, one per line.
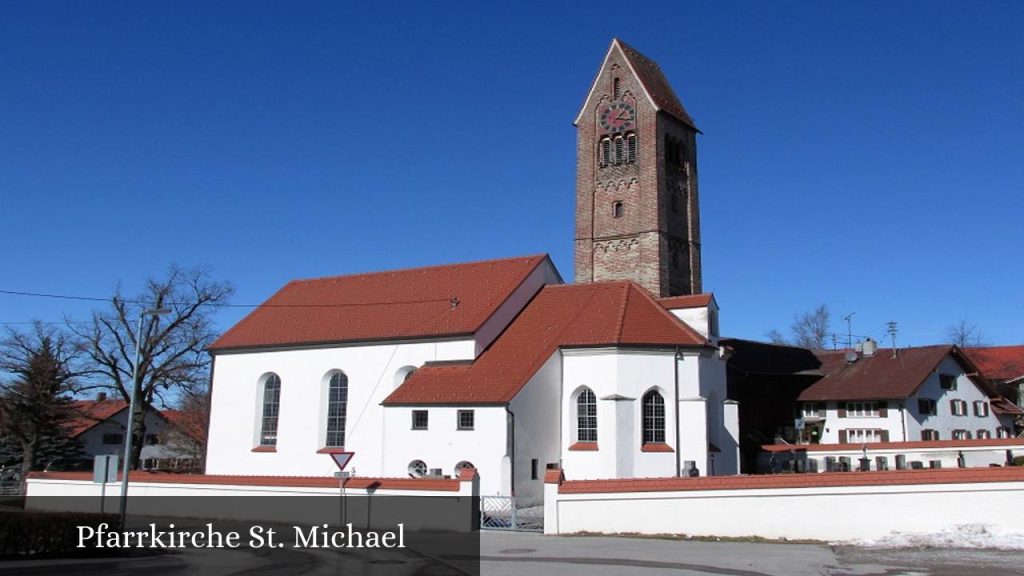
x=617 y=117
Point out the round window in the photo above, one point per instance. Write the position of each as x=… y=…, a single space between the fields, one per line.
x=462 y=466
x=417 y=468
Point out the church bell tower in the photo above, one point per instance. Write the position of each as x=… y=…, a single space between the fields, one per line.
x=637 y=208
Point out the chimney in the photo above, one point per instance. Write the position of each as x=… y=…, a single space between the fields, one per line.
x=101 y=396
x=869 y=347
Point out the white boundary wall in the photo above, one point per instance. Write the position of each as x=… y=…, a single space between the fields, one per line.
x=818 y=513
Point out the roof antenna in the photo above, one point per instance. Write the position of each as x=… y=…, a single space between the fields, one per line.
x=892 y=334
x=454 y=301
x=849 y=329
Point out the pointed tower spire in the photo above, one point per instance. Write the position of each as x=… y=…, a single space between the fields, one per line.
x=637 y=209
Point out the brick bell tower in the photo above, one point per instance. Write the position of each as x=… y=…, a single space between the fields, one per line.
x=637 y=208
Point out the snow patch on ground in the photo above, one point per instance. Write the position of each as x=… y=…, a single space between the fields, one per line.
x=960 y=536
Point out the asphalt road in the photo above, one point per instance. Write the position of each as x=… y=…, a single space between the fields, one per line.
x=518 y=554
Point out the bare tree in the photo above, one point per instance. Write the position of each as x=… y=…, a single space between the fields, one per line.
x=36 y=404
x=185 y=433
x=809 y=330
x=172 y=348
x=965 y=334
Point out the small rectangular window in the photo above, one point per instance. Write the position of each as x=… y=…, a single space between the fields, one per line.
x=961 y=435
x=617 y=209
x=984 y=435
x=958 y=407
x=947 y=381
x=980 y=408
x=113 y=438
x=929 y=435
x=419 y=419
x=926 y=406
x=464 y=419
x=534 y=469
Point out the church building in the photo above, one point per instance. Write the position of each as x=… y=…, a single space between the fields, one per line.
x=500 y=365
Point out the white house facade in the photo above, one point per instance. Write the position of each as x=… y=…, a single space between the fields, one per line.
x=916 y=394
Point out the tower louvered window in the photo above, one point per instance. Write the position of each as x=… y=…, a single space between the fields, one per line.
x=619 y=152
x=630 y=148
x=605 y=154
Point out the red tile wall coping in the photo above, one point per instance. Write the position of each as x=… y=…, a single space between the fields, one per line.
x=425 y=484
x=819 y=480
x=1000 y=443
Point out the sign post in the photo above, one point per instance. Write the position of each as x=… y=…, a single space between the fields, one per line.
x=341 y=460
x=104 y=469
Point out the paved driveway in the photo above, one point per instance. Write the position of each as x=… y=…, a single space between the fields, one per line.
x=523 y=554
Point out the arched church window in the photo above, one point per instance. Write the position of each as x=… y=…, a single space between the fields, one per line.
x=605 y=153
x=270 y=409
x=619 y=153
x=337 y=408
x=617 y=209
x=630 y=148
x=654 y=418
x=586 y=416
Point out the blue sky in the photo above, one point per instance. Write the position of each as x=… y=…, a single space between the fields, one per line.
x=866 y=155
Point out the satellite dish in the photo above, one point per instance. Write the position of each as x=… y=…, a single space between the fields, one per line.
x=851 y=356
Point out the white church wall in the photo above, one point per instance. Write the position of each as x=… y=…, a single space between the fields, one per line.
x=371 y=370
x=545 y=273
x=619 y=379
x=443 y=444
x=537 y=421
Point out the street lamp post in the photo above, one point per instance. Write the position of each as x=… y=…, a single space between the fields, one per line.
x=130 y=432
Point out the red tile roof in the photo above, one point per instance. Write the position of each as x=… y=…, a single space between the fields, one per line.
x=999 y=362
x=655 y=83
x=819 y=480
x=190 y=423
x=414 y=303
x=882 y=376
x=999 y=443
x=89 y=413
x=691 y=301
x=576 y=315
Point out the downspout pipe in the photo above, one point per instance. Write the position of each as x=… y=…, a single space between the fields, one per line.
x=679 y=449
x=511 y=450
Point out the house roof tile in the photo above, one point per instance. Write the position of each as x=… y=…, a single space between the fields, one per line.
x=655 y=83
x=690 y=301
x=883 y=375
x=426 y=302
x=89 y=413
x=559 y=316
x=999 y=362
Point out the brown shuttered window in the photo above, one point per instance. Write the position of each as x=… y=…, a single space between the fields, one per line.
x=842 y=436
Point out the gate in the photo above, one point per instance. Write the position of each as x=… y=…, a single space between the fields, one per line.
x=505 y=513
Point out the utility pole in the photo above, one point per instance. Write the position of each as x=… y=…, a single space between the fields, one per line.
x=892 y=334
x=849 y=329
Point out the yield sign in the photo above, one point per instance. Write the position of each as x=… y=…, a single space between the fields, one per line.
x=341 y=459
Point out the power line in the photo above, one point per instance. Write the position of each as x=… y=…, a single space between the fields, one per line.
x=453 y=301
